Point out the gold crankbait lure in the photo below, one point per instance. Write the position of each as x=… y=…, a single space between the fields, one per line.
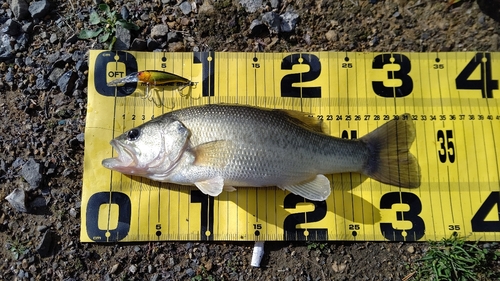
x=154 y=78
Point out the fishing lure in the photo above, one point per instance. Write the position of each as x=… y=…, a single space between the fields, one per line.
x=154 y=78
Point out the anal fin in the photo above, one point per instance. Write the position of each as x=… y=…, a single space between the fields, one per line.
x=317 y=189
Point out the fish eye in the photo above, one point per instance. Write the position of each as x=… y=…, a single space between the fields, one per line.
x=133 y=134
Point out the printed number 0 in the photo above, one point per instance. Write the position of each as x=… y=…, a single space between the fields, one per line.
x=405 y=67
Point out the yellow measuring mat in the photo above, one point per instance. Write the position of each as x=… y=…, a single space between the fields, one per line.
x=452 y=98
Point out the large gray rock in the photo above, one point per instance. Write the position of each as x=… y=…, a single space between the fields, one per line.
x=273 y=21
x=159 y=31
x=17 y=200
x=289 y=21
x=31 y=172
x=123 y=38
x=20 y=9
x=11 y=27
x=39 y=9
x=251 y=6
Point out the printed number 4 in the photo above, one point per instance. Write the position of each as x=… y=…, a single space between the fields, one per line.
x=486 y=84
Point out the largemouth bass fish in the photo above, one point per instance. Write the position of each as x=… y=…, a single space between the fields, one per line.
x=219 y=147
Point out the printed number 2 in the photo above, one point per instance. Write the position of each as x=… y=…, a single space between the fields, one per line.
x=291 y=221
x=418 y=226
x=447 y=148
x=402 y=74
x=287 y=88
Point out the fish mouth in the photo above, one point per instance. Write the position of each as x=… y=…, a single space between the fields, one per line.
x=126 y=157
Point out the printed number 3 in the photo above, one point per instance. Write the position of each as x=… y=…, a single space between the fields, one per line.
x=405 y=67
x=418 y=226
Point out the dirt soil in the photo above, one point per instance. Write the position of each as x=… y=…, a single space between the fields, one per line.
x=43 y=69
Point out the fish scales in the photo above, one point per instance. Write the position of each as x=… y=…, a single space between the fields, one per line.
x=266 y=144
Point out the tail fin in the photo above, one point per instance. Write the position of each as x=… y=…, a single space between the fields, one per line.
x=390 y=160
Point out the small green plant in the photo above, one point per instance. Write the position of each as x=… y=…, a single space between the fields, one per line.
x=17 y=249
x=106 y=22
x=203 y=274
x=316 y=245
x=455 y=259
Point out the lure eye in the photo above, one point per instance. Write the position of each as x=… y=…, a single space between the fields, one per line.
x=133 y=134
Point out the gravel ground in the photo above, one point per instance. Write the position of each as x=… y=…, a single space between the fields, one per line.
x=43 y=69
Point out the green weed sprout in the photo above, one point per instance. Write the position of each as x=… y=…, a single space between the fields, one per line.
x=106 y=22
x=454 y=259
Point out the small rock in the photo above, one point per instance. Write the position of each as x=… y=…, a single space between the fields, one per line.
x=73 y=212
x=123 y=38
x=16 y=199
x=410 y=249
x=206 y=8
x=273 y=21
x=289 y=21
x=38 y=202
x=332 y=36
x=132 y=269
x=80 y=137
x=275 y=3
x=20 y=9
x=6 y=51
x=114 y=268
x=338 y=267
x=124 y=13
x=11 y=27
x=46 y=245
x=185 y=7
x=38 y=9
x=21 y=42
x=42 y=83
x=190 y=272
x=289 y=278
x=159 y=31
x=31 y=173
x=251 y=6
x=66 y=82
x=55 y=74
x=53 y=38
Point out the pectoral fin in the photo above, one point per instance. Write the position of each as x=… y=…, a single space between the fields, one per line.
x=213 y=154
x=212 y=187
x=317 y=189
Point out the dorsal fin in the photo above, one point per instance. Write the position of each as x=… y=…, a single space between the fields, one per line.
x=303 y=119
